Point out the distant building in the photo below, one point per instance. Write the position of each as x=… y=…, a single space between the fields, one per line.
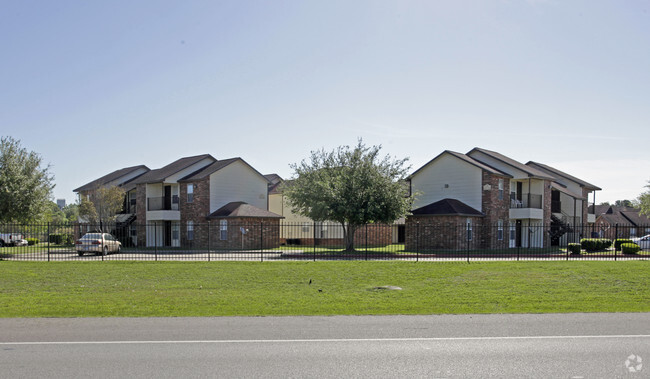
x=60 y=203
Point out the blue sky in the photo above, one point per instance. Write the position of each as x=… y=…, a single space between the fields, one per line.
x=97 y=86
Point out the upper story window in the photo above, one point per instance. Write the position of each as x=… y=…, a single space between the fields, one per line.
x=190 y=192
x=500 y=189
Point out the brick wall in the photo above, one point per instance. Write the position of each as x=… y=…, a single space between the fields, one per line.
x=443 y=233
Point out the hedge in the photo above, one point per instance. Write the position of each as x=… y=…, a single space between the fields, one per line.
x=618 y=242
x=595 y=244
x=574 y=248
x=630 y=248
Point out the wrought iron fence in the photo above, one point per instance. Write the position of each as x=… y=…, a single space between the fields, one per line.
x=278 y=241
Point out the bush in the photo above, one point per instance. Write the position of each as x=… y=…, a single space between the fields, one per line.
x=618 y=242
x=61 y=239
x=595 y=244
x=630 y=248
x=32 y=241
x=574 y=248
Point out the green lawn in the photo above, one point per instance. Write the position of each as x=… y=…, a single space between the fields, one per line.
x=134 y=289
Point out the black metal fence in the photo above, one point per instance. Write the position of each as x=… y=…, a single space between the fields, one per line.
x=278 y=241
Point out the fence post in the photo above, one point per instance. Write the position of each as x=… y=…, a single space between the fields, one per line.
x=314 y=241
x=155 y=240
x=366 y=241
x=261 y=241
x=48 y=241
x=208 y=241
x=468 y=241
x=615 y=238
x=417 y=242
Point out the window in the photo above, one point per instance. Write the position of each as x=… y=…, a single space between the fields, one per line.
x=500 y=189
x=190 y=230
x=190 y=193
x=223 y=229
x=500 y=230
x=632 y=232
x=469 y=229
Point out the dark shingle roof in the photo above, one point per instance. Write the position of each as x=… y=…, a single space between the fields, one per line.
x=466 y=159
x=447 y=207
x=560 y=174
x=159 y=175
x=242 y=209
x=275 y=183
x=115 y=175
x=531 y=171
x=209 y=170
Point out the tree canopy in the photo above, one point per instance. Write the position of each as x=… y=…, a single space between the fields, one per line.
x=103 y=205
x=25 y=186
x=351 y=186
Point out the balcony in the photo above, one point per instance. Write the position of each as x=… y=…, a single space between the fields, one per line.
x=162 y=203
x=529 y=207
x=163 y=208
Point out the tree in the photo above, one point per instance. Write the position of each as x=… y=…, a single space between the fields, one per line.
x=351 y=186
x=644 y=201
x=103 y=205
x=25 y=186
x=624 y=203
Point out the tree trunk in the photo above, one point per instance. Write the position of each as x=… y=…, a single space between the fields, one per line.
x=348 y=236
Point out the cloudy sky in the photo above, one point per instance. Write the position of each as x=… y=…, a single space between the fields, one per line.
x=97 y=86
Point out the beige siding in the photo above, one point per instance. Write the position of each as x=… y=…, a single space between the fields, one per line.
x=448 y=177
x=237 y=182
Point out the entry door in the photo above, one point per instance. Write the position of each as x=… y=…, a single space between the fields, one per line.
x=168 y=198
x=167 y=233
x=518 y=233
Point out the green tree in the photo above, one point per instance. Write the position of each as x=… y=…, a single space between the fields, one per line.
x=103 y=206
x=624 y=203
x=25 y=186
x=351 y=186
x=71 y=212
x=644 y=201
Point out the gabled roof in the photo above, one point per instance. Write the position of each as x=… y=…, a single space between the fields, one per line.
x=562 y=175
x=622 y=215
x=447 y=207
x=214 y=167
x=563 y=189
x=113 y=176
x=159 y=175
x=635 y=217
x=531 y=171
x=242 y=209
x=275 y=183
x=466 y=159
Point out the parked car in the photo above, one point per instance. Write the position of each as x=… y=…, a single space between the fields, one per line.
x=11 y=239
x=98 y=243
x=643 y=242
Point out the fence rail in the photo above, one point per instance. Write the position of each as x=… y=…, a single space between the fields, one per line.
x=277 y=241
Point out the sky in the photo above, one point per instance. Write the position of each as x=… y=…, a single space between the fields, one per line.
x=97 y=86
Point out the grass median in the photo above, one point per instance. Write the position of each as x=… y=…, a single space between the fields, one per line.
x=139 y=289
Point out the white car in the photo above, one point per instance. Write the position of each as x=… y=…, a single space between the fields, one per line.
x=643 y=242
x=98 y=243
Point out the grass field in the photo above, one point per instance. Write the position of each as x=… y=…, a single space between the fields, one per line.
x=135 y=289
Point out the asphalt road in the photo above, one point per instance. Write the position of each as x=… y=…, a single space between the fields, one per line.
x=543 y=346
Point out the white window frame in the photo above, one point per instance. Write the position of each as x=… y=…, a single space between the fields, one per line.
x=500 y=189
x=190 y=192
x=223 y=230
x=500 y=230
x=190 y=230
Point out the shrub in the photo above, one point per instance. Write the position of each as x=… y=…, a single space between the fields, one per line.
x=595 y=244
x=574 y=248
x=61 y=239
x=32 y=241
x=630 y=248
x=619 y=241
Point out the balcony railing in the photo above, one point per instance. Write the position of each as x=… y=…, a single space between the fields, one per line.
x=162 y=203
x=527 y=201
